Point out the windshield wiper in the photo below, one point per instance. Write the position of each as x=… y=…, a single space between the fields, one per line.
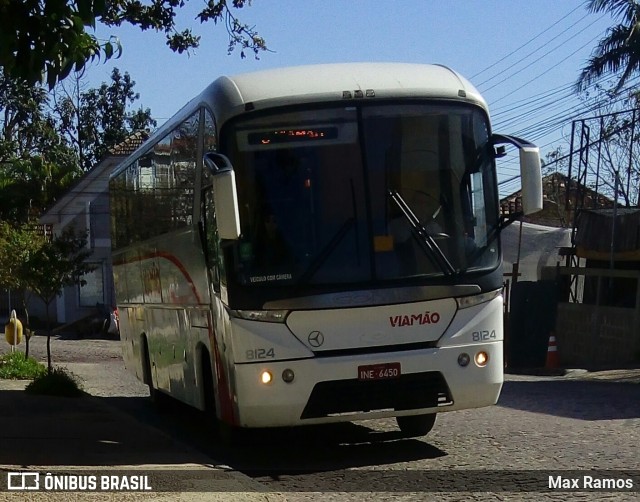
x=426 y=241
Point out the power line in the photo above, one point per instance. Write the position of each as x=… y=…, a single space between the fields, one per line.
x=526 y=43
x=547 y=112
x=529 y=65
x=573 y=113
x=548 y=96
x=530 y=81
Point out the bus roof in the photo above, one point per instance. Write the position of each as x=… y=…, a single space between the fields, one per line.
x=234 y=95
x=229 y=96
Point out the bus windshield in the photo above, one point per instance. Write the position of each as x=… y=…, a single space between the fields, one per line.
x=378 y=192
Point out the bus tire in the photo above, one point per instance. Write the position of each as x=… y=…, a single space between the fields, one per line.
x=207 y=386
x=416 y=425
x=226 y=434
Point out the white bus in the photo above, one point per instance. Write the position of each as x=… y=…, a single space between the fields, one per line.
x=318 y=244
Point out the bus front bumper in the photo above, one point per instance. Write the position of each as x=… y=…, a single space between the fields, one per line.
x=327 y=389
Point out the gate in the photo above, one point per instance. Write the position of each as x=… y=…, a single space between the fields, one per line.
x=532 y=318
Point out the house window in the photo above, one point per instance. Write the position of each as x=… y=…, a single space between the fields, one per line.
x=93 y=291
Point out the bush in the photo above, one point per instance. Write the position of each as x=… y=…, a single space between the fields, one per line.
x=16 y=366
x=59 y=382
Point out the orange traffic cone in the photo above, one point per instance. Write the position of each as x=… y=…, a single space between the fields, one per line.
x=552 y=353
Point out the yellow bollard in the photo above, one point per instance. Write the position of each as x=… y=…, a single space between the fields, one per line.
x=13 y=330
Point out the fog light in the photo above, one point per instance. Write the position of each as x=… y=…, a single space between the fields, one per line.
x=482 y=358
x=266 y=377
x=288 y=376
x=463 y=359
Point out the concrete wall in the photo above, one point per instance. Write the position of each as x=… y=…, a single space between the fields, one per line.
x=596 y=335
x=591 y=336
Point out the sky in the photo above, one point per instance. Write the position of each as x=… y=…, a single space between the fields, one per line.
x=523 y=55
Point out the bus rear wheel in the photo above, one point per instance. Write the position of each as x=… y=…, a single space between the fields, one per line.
x=416 y=425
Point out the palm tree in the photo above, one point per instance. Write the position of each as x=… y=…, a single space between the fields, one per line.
x=619 y=50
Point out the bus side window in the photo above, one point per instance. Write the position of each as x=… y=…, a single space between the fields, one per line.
x=212 y=249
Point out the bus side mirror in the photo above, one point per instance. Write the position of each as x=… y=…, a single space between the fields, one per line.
x=225 y=195
x=531 y=176
x=530 y=171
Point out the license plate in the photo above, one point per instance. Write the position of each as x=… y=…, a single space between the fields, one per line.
x=379 y=371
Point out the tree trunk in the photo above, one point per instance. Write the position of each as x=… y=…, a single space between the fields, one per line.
x=26 y=331
x=49 y=368
x=49 y=352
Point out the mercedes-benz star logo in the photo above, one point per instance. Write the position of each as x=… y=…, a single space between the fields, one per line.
x=316 y=338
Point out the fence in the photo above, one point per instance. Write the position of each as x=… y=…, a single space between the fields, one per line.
x=602 y=330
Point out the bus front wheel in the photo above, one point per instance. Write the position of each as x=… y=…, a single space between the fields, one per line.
x=226 y=434
x=416 y=425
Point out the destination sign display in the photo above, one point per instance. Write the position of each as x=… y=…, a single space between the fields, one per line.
x=281 y=136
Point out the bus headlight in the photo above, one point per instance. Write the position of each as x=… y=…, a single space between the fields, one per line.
x=266 y=377
x=482 y=358
x=261 y=315
x=465 y=302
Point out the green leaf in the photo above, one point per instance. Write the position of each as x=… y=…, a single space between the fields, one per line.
x=99 y=7
x=85 y=11
x=66 y=69
x=52 y=76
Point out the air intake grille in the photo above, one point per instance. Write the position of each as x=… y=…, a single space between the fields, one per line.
x=408 y=392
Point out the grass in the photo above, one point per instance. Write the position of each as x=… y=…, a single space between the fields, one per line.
x=59 y=382
x=14 y=366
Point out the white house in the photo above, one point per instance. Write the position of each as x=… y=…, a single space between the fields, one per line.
x=85 y=206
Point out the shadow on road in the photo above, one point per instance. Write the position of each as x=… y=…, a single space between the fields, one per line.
x=574 y=399
x=328 y=448
x=53 y=431
x=282 y=451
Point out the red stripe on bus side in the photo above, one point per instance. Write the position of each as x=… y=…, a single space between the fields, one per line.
x=222 y=384
x=173 y=259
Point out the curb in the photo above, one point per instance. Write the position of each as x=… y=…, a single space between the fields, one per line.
x=626 y=375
